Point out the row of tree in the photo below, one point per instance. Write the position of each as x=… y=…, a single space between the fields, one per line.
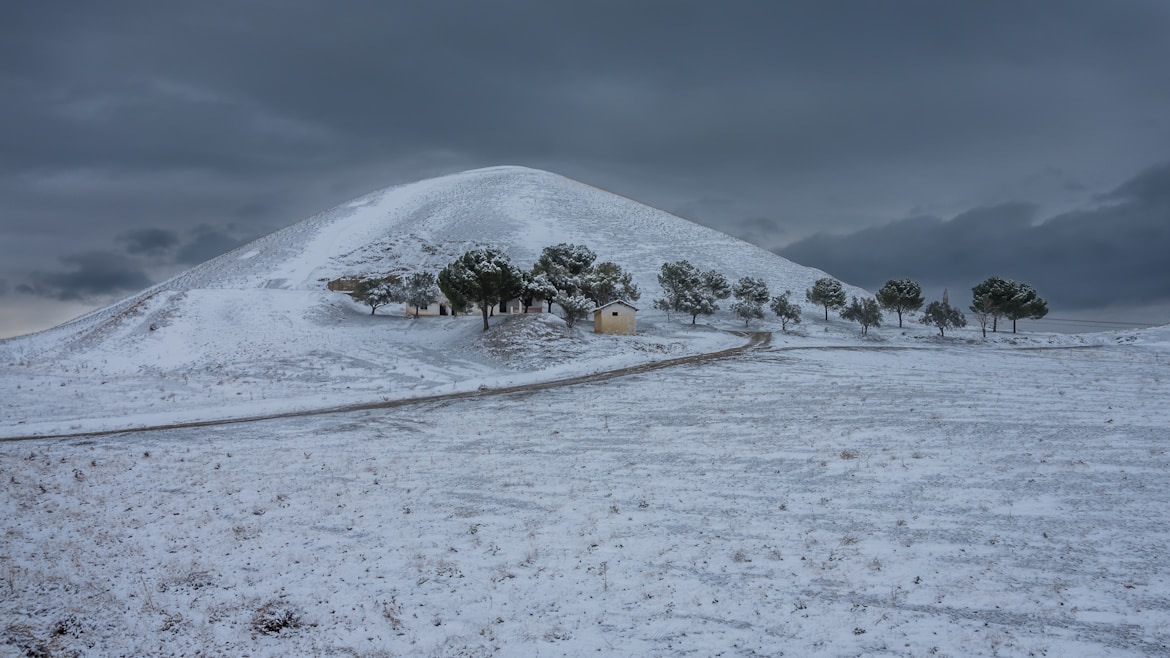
x=566 y=274
x=687 y=289
x=691 y=291
x=991 y=300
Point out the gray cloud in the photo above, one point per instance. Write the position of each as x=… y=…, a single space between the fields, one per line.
x=1103 y=255
x=148 y=240
x=93 y=274
x=206 y=243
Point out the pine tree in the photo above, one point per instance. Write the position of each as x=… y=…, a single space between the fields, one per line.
x=786 y=310
x=607 y=282
x=537 y=286
x=865 y=312
x=826 y=292
x=900 y=296
x=689 y=290
x=483 y=276
x=993 y=296
x=376 y=292
x=419 y=290
x=750 y=294
x=563 y=265
x=1025 y=304
x=943 y=316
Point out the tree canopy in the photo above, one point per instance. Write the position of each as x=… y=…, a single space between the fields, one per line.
x=997 y=297
x=687 y=289
x=607 y=282
x=900 y=296
x=865 y=312
x=377 y=291
x=563 y=265
x=943 y=316
x=419 y=290
x=483 y=276
x=750 y=296
x=826 y=292
x=786 y=310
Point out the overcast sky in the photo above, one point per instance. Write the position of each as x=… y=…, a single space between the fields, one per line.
x=939 y=140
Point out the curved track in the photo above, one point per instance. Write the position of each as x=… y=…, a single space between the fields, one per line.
x=756 y=339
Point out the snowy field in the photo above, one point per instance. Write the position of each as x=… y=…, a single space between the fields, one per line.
x=887 y=497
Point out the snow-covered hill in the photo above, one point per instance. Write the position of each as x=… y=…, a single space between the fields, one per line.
x=258 y=323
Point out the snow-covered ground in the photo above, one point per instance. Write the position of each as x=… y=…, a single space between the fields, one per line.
x=901 y=496
x=827 y=494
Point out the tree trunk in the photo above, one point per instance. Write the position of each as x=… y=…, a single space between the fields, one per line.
x=1013 y=325
x=995 y=324
x=372 y=309
x=484 y=308
x=826 y=312
x=899 y=319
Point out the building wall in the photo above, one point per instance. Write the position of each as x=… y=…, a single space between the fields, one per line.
x=616 y=319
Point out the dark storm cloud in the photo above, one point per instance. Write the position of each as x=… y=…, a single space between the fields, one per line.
x=148 y=241
x=1109 y=254
x=242 y=86
x=92 y=274
x=207 y=242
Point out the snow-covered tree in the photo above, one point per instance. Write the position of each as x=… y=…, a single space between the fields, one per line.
x=483 y=276
x=687 y=289
x=750 y=296
x=574 y=308
x=419 y=290
x=786 y=310
x=537 y=286
x=826 y=292
x=994 y=296
x=900 y=296
x=943 y=316
x=377 y=291
x=865 y=312
x=563 y=265
x=1024 y=304
x=607 y=282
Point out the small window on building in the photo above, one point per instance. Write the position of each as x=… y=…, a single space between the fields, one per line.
x=615 y=314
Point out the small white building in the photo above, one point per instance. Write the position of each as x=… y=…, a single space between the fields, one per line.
x=616 y=317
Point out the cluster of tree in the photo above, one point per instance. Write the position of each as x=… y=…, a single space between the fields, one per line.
x=997 y=298
x=568 y=275
x=564 y=274
x=830 y=294
x=418 y=290
x=689 y=290
x=991 y=300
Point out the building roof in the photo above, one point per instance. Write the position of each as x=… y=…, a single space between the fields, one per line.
x=616 y=301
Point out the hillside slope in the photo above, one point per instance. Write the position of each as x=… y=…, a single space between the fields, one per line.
x=258 y=323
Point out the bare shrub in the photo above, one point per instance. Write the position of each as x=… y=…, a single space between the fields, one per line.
x=275 y=617
x=849 y=454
